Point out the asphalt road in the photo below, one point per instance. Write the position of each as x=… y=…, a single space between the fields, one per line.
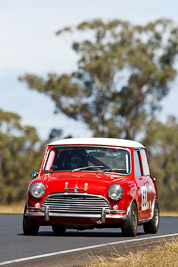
x=14 y=245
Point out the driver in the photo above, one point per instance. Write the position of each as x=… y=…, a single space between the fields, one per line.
x=77 y=159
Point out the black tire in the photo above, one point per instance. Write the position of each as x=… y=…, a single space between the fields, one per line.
x=130 y=225
x=30 y=227
x=58 y=229
x=152 y=226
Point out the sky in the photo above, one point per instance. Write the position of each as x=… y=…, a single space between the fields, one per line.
x=28 y=44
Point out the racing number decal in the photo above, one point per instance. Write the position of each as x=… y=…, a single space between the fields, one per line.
x=144 y=197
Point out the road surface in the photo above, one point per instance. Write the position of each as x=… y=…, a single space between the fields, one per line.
x=17 y=248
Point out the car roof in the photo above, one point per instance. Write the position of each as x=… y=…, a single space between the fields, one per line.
x=98 y=141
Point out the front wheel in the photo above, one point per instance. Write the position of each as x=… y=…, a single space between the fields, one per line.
x=30 y=227
x=151 y=227
x=130 y=225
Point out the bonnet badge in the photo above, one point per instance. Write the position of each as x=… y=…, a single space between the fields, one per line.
x=76 y=189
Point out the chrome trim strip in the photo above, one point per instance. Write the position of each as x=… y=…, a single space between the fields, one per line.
x=46 y=213
x=73 y=215
x=36 y=214
x=103 y=215
x=118 y=211
x=116 y=216
x=77 y=194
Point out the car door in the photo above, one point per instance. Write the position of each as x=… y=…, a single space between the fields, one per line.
x=148 y=181
x=143 y=180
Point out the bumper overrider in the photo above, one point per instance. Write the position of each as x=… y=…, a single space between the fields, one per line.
x=76 y=205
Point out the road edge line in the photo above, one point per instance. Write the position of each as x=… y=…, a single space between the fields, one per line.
x=83 y=249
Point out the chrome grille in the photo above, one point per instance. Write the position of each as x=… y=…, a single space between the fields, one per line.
x=76 y=203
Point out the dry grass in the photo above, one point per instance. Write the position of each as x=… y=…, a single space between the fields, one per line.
x=169 y=213
x=17 y=208
x=162 y=255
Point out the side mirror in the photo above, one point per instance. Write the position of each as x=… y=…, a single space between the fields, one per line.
x=35 y=175
x=154 y=179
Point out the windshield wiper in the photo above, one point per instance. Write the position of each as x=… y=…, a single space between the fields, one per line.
x=111 y=170
x=87 y=168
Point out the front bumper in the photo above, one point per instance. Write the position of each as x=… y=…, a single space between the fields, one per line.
x=101 y=218
x=75 y=205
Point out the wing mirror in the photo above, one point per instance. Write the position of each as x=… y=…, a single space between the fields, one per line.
x=35 y=175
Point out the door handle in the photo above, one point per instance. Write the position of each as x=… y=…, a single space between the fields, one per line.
x=146 y=182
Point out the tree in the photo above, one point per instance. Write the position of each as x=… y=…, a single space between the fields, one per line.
x=56 y=134
x=162 y=143
x=21 y=153
x=124 y=71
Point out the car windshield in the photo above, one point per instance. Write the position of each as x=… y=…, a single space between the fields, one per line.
x=95 y=159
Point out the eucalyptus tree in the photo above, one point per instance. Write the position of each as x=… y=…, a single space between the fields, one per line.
x=123 y=72
x=162 y=143
x=21 y=152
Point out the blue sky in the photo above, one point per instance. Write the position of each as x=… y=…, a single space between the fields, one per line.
x=29 y=45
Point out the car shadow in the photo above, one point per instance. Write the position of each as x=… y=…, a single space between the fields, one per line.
x=85 y=233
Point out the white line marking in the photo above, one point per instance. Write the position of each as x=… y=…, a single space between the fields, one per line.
x=83 y=248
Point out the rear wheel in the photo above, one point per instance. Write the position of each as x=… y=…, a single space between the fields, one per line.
x=152 y=226
x=58 y=229
x=30 y=227
x=129 y=226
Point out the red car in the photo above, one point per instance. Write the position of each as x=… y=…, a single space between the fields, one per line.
x=87 y=183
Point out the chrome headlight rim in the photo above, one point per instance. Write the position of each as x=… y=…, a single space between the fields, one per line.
x=115 y=192
x=37 y=190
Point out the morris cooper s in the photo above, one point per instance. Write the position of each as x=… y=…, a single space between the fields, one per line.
x=87 y=183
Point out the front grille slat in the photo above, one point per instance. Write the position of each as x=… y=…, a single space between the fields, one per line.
x=81 y=202
x=77 y=206
x=76 y=203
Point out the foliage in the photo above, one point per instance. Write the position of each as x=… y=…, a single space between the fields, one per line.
x=162 y=143
x=123 y=72
x=21 y=153
x=56 y=134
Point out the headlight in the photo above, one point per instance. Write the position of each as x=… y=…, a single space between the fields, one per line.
x=115 y=192
x=37 y=190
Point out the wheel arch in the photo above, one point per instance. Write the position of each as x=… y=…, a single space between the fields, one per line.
x=153 y=207
x=132 y=201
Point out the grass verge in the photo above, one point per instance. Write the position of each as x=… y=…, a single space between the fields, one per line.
x=162 y=255
x=169 y=213
x=16 y=208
